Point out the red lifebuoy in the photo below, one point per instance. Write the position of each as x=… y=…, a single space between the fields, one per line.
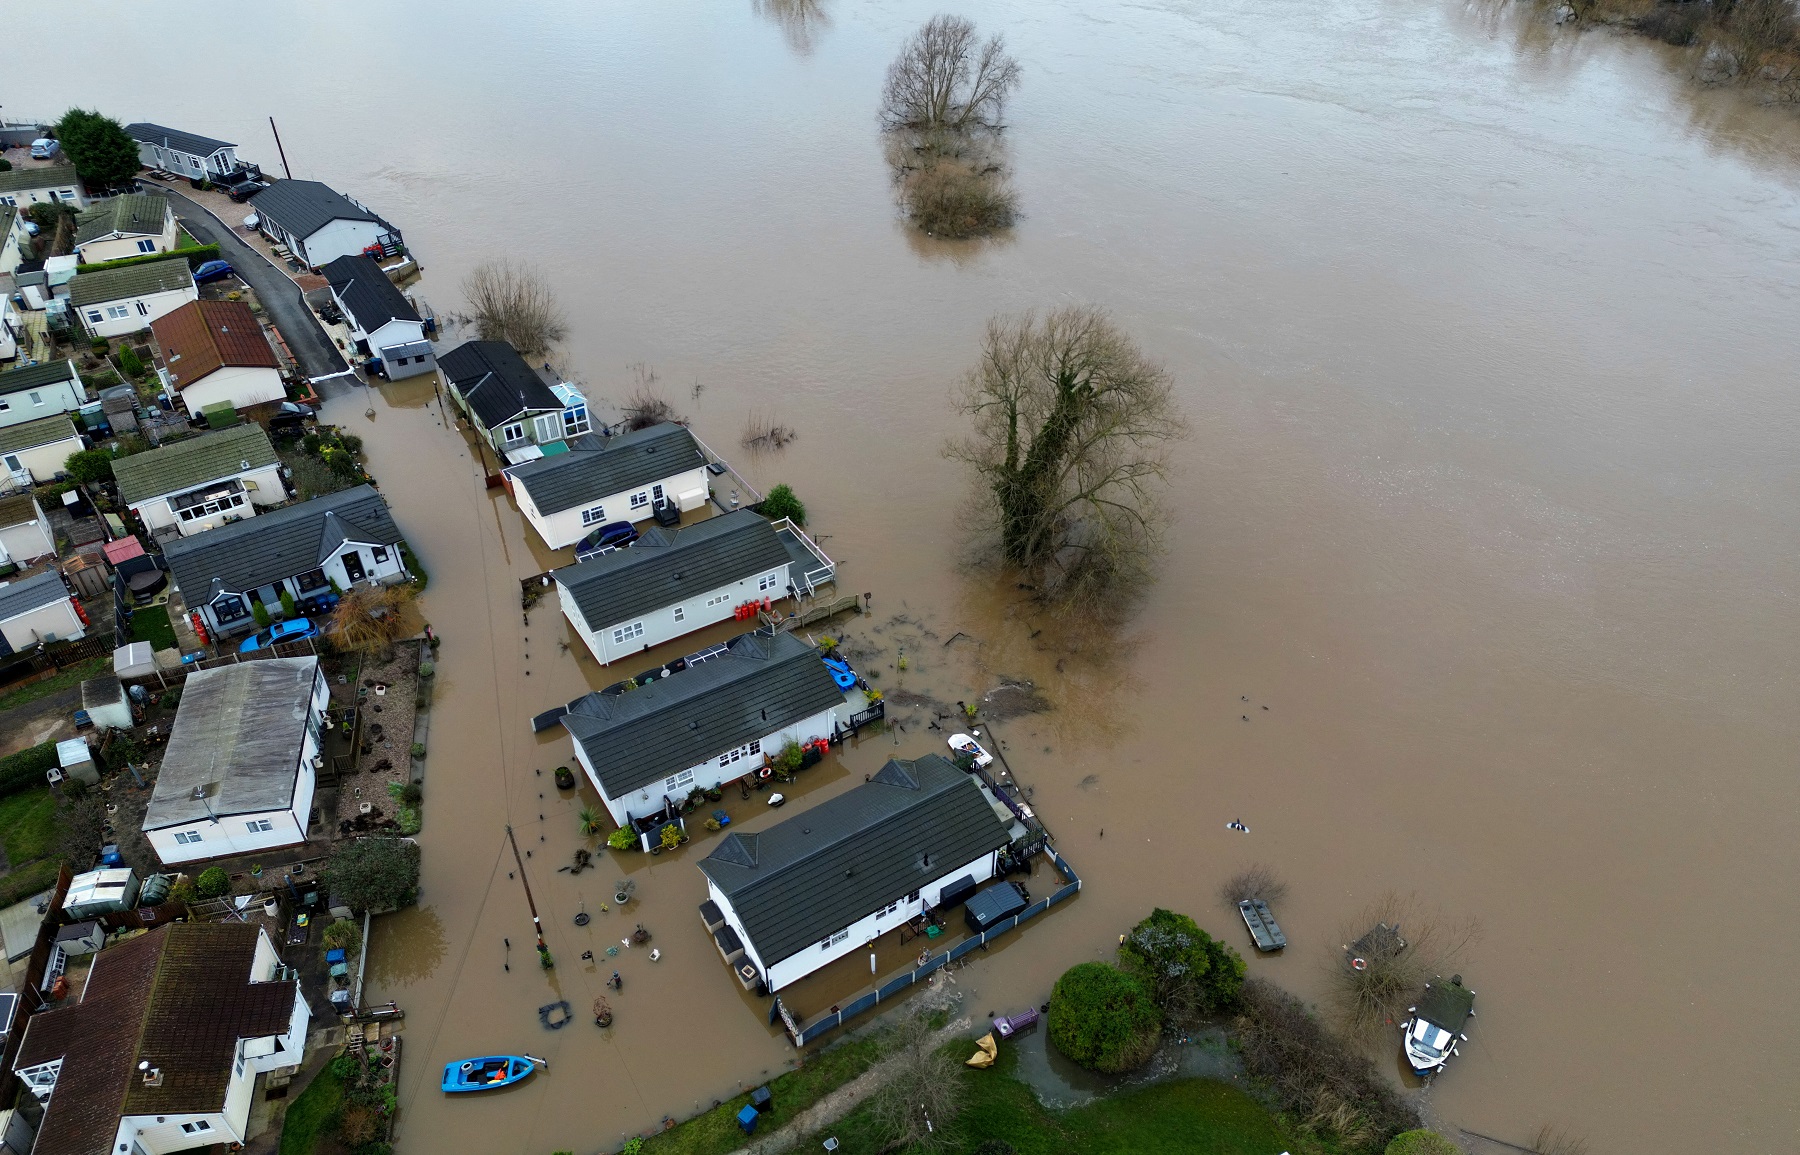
x=1359 y=964
x=765 y=773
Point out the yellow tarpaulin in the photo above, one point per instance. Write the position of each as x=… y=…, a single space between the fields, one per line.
x=984 y=1057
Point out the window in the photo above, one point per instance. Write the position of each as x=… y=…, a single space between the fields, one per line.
x=678 y=785
x=890 y=908
x=769 y=581
x=381 y=554
x=593 y=516
x=117 y=312
x=146 y=246
x=143 y=309
x=259 y=825
x=37 y=398
x=575 y=420
x=184 y=837
x=717 y=601
x=200 y=1125
x=512 y=433
x=741 y=753
x=312 y=580
x=640 y=500
x=230 y=609
x=208 y=506
x=680 y=614
x=94 y=316
x=627 y=633
x=840 y=936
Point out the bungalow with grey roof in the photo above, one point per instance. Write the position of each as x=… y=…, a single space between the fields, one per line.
x=37 y=610
x=318 y=224
x=601 y=479
x=24 y=530
x=35 y=452
x=34 y=392
x=383 y=323
x=201 y=483
x=187 y=153
x=53 y=184
x=113 y=302
x=132 y=225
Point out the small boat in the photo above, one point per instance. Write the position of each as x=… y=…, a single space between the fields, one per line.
x=486 y=1073
x=841 y=673
x=963 y=744
x=1264 y=930
x=1010 y=1025
x=1434 y=1027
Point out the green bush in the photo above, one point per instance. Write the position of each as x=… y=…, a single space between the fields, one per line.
x=261 y=613
x=89 y=465
x=183 y=891
x=409 y=820
x=343 y=935
x=1103 y=1018
x=621 y=839
x=131 y=362
x=418 y=749
x=405 y=793
x=346 y=1066
x=374 y=873
x=1421 y=1143
x=25 y=770
x=288 y=607
x=213 y=882
x=781 y=503
x=99 y=345
x=1187 y=971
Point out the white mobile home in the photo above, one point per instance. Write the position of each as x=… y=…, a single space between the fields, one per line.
x=673 y=582
x=34 y=392
x=601 y=479
x=834 y=878
x=706 y=725
x=56 y=184
x=24 y=530
x=318 y=224
x=238 y=772
x=201 y=483
x=38 y=610
x=113 y=302
x=383 y=323
x=35 y=452
x=186 y=153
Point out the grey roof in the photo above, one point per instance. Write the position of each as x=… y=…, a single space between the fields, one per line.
x=303 y=207
x=666 y=566
x=366 y=292
x=237 y=732
x=48 y=373
x=816 y=873
x=132 y=214
x=282 y=543
x=496 y=382
x=146 y=133
x=43 y=431
x=598 y=467
x=758 y=686
x=32 y=593
x=106 y=690
x=192 y=461
x=44 y=176
x=131 y=281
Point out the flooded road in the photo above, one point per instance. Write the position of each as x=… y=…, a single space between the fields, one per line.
x=1486 y=336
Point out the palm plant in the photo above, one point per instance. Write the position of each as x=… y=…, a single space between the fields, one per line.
x=590 y=821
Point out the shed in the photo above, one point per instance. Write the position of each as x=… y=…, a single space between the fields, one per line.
x=76 y=760
x=135 y=660
x=104 y=700
x=101 y=892
x=992 y=906
x=81 y=938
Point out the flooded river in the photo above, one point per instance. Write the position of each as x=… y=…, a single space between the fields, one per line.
x=1486 y=334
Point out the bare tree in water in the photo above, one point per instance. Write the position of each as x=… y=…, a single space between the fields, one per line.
x=1070 y=430
x=514 y=303
x=947 y=79
x=1403 y=944
x=923 y=1093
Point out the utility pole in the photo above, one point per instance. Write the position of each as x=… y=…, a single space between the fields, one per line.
x=536 y=923
x=279 y=149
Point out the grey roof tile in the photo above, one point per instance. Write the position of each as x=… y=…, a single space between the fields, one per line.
x=133 y=213
x=238 y=732
x=45 y=176
x=666 y=566
x=31 y=434
x=193 y=461
x=32 y=593
x=48 y=373
x=131 y=281
x=366 y=292
x=598 y=467
x=814 y=874
x=282 y=543
x=496 y=382
x=756 y=688
x=191 y=142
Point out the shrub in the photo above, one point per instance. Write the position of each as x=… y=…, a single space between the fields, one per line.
x=346 y=1066
x=406 y=793
x=621 y=839
x=89 y=465
x=374 y=873
x=343 y=935
x=196 y=255
x=26 y=769
x=781 y=503
x=1421 y=1143
x=427 y=669
x=131 y=362
x=213 y=882
x=418 y=749
x=261 y=613
x=670 y=836
x=956 y=199
x=408 y=820
x=99 y=345
x=589 y=822
x=288 y=608
x=1103 y=1018
x=1186 y=970
x=790 y=757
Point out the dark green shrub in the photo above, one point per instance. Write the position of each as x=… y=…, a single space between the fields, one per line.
x=1187 y=971
x=374 y=873
x=89 y=465
x=99 y=344
x=212 y=883
x=1103 y=1018
x=288 y=607
x=261 y=613
x=25 y=770
x=781 y=503
x=130 y=362
x=196 y=255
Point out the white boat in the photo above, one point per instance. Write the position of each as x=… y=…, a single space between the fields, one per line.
x=963 y=744
x=1434 y=1027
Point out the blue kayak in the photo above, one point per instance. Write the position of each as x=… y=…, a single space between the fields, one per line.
x=486 y=1073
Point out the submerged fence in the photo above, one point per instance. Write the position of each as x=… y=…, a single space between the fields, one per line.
x=933 y=962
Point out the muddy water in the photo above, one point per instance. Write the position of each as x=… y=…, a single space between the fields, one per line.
x=1484 y=333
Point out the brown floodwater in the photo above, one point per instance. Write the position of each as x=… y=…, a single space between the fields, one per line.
x=1486 y=334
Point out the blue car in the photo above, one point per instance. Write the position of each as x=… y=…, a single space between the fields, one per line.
x=212 y=271
x=613 y=535
x=291 y=630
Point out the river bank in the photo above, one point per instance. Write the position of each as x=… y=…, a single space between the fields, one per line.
x=1750 y=44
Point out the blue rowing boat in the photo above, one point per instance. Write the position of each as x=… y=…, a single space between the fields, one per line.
x=484 y=1074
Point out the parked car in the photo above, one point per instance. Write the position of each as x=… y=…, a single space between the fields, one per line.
x=43 y=148
x=613 y=535
x=212 y=271
x=290 y=420
x=241 y=185
x=291 y=630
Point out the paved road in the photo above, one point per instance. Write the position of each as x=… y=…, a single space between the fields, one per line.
x=277 y=292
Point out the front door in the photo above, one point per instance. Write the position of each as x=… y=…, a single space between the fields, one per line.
x=17 y=468
x=353 y=566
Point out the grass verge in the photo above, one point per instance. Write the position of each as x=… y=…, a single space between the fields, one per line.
x=716 y=1132
x=151 y=624
x=310 y=1117
x=61 y=680
x=28 y=825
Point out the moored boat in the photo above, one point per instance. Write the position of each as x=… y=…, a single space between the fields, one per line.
x=969 y=747
x=1259 y=920
x=1434 y=1027
x=487 y=1073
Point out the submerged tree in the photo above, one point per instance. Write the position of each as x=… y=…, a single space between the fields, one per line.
x=514 y=303
x=947 y=79
x=1071 y=425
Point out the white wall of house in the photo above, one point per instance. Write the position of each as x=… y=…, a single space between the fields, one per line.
x=262 y=487
x=565 y=527
x=339 y=238
x=47 y=400
x=380 y=563
x=12 y=245
x=69 y=193
x=181 y=1132
x=113 y=248
x=617 y=640
x=853 y=938
x=40 y=462
x=57 y=620
x=239 y=385
x=27 y=541
x=725 y=766
x=129 y=314
x=216 y=164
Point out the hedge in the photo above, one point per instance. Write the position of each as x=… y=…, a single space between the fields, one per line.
x=25 y=770
x=196 y=255
x=1103 y=1018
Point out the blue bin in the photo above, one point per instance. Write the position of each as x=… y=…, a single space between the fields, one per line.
x=747 y=1119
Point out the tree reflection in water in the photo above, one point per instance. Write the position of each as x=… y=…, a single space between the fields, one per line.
x=801 y=21
x=405 y=946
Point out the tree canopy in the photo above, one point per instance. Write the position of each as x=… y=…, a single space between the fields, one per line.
x=1103 y=1018
x=947 y=79
x=374 y=873
x=1187 y=971
x=781 y=503
x=101 y=150
x=89 y=465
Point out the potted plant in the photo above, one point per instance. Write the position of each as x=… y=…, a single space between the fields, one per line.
x=256 y=870
x=622 y=839
x=671 y=837
x=565 y=778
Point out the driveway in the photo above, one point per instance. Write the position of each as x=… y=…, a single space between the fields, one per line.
x=274 y=288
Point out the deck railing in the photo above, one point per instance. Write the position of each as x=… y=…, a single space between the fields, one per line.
x=817 y=575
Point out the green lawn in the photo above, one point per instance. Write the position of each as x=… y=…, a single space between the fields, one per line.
x=64 y=679
x=309 y=1118
x=1189 y=1116
x=151 y=624
x=27 y=881
x=716 y=1132
x=28 y=825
